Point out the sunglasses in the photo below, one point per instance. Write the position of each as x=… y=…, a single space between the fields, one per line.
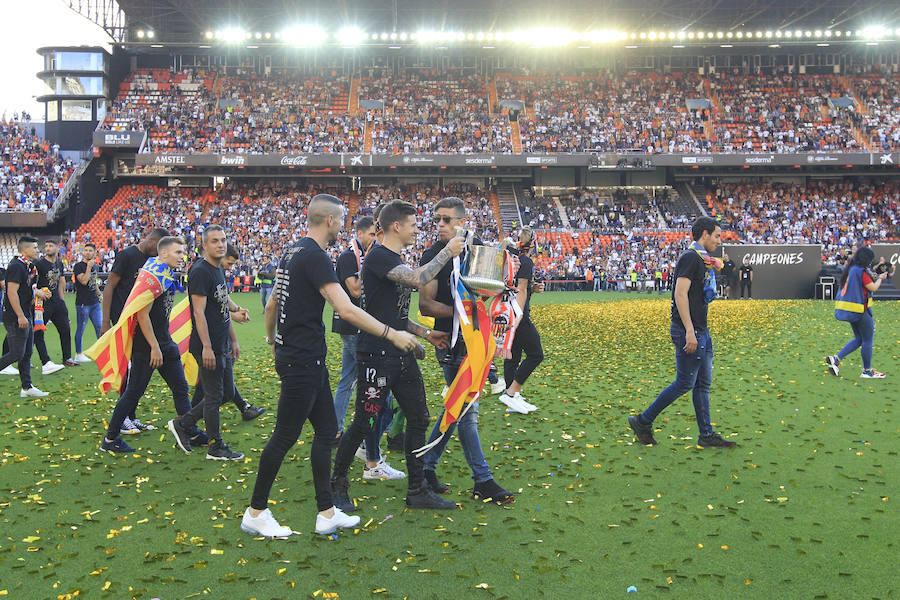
x=445 y=218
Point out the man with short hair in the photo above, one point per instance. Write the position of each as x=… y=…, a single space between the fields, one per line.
x=213 y=344
x=18 y=313
x=305 y=280
x=87 y=298
x=152 y=349
x=436 y=300
x=695 y=288
x=728 y=274
x=386 y=287
x=124 y=272
x=51 y=276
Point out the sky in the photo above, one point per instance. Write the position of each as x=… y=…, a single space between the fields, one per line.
x=27 y=25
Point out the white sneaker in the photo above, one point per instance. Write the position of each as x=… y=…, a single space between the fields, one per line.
x=10 y=370
x=128 y=427
x=51 y=367
x=872 y=374
x=513 y=404
x=361 y=452
x=33 y=392
x=525 y=403
x=264 y=525
x=383 y=471
x=340 y=520
x=499 y=387
x=142 y=426
x=81 y=358
x=444 y=391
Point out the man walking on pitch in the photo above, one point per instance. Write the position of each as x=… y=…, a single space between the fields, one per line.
x=386 y=287
x=87 y=298
x=695 y=288
x=305 y=279
x=51 y=276
x=213 y=344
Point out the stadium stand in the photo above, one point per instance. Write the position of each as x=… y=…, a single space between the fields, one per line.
x=32 y=173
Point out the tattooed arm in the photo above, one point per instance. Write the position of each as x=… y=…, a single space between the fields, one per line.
x=439 y=339
x=417 y=278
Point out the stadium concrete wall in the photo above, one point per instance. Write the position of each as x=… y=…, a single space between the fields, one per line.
x=779 y=271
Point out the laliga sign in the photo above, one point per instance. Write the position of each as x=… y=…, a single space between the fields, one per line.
x=293 y=161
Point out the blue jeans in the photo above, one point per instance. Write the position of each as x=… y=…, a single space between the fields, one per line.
x=264 y=292
x=342 y=399
x=864 y=338
x=468 y=433
x=82 y=314
x=694 y=373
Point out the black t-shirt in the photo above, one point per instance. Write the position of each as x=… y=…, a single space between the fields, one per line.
x=300 y=333
x=728 y=269
x=346 y=267
x=206 y=280
x=526 y=271
x=127 y=265
x=444 y=293
x=383 y=299
x=86 y=295
x=745 y=272
x=691 y=266
x=25 y=275
x=159 y=319
x=882 y=268
x=49 y=275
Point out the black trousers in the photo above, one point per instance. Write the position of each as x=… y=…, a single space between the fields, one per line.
x=139 y=375
x=18 y=345
x=218 y=385
x=379 y=375
x=527 y=340
x=198 y=396
x=56 y=312
x=305 y=394
x=746 y=284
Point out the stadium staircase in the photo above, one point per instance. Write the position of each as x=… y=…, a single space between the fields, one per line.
x=509 y=208
x=495 y=207
x=713 y=98
x=352 y=209
x=353 y=101
x=688 y=200
x=515 y=136
x=492 y=97
x=340 y=101
x=368 y=141
x=860 y=106
x=563 y=215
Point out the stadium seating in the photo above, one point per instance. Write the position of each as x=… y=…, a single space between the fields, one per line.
x=32 y=174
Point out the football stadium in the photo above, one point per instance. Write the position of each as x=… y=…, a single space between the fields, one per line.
x=454 y=300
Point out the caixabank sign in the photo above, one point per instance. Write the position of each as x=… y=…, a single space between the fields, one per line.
x=779 y=271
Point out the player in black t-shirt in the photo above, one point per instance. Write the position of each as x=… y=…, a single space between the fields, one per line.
x=51 y=275
x=213 y=344
x=436 y=300
x=152 y=349
x=87 y=298
x=386 y=287
x=18 y=313
x=121 y=279
x=690 y=335
x=728 y=274
x=746 y=278
x=305 y=280
x=884 y=267
x=527 y=339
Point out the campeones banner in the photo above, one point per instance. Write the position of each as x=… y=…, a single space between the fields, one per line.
x=779 y=271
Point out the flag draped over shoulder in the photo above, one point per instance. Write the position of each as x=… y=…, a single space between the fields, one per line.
x=180 y=330
x=112 y=351
x=475 y=326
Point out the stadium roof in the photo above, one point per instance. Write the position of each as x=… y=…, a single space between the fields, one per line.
x=188 y=20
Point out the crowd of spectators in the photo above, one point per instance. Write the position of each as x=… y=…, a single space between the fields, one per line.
x=833 y=213
x=32 y=172
x=880 y=121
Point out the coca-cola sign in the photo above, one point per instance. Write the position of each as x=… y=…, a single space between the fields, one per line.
x=293 y=161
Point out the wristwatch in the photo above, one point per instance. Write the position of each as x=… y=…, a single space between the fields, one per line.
x=269 y=341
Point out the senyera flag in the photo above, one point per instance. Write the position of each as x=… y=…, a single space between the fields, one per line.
x=112 y=351
x=180 y=330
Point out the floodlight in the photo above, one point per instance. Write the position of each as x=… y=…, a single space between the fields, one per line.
x=470 y=36
x=150 y=34
x=768 y=34
x=720 y=35
x=403 y=36
x=258 y=35
x=209 y=35
x=140 y=33
x=268 y=35
x=818 y=33
x=304 y=36
x=351 y=36
x=394 y=35
x=730 y=35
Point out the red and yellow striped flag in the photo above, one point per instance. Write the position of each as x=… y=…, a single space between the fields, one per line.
x=112 y=351
x=180 y=330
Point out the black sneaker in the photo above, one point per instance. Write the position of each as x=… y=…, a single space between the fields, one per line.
x=644 y=432
x=182 y=436
x=219 y=450
x=434 y=483
x=396 y=443
x=715 y=441
x=199 y=439
x=250 y=412
x=490 y=491
x=425 y=498
x=340 y=488
x=117 y=445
